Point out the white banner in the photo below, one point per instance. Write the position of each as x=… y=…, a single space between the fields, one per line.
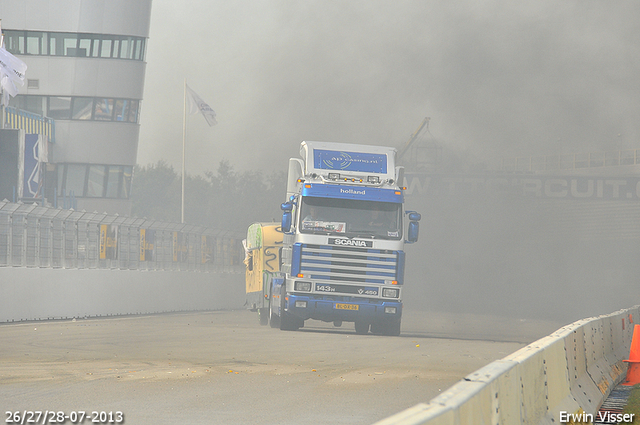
x=12 y=71
x=197 y=104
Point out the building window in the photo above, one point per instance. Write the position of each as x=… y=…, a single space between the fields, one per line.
x=79 y=108
x=134 y=111
x=14 y=41
x=94 y=180
x=125 y=183
x=74 y=44
x=82 y=107
x=105 y=48
x=34 y=104
x=95 y=47
x=137 y=54
x=74 y=179
x=59 y=108
x=122 y=109
x=36 y=43
x=114 y=180
x=60 y=174
x=103 y=110
x=63 y=44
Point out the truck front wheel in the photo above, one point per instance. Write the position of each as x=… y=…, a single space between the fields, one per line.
x=274 y=319
x=288 y=322
x=362 y=328
x=392 y=328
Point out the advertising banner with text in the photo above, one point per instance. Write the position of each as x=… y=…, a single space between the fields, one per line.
x=531 y=186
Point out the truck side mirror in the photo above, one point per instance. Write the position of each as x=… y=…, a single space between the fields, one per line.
x=414 y=216
x=286 y=216
x=414 y=230
x=414 y=226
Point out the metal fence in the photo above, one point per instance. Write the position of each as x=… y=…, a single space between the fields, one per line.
x=37 y=236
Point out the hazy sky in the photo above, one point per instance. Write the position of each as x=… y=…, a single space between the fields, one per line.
x=498 y=78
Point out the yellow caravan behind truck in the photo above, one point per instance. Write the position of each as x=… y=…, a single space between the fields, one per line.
x=263 y=247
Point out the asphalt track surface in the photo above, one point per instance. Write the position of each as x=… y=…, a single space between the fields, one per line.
x=224 y=368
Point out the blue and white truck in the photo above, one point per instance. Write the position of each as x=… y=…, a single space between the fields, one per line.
x=345 y=228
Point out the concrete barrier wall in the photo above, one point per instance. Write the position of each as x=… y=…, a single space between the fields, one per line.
x=41 y=294
x=572 y=370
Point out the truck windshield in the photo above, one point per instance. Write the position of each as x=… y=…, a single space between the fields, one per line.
x=351 y=217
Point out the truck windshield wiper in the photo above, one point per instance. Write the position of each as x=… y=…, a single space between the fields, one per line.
x=323 y=232
x=363 y=234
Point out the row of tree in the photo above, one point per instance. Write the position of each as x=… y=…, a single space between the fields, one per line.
x=226 y=199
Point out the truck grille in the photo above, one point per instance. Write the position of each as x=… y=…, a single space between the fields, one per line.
x=348 y=264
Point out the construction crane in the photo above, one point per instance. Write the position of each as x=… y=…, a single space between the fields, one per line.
x=414 y=136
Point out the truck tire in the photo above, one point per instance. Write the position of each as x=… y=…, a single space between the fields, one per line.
x=392 y=328
x=263 y=316
x=274 y=319
x=362 y=328
x=287 y=321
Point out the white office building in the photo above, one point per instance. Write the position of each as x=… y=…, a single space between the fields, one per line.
x=86 y=67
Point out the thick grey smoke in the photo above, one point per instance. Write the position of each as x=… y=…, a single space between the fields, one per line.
x=523 y=258
x=497 y=78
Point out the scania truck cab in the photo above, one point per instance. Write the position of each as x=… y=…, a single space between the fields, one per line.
x=345 y=228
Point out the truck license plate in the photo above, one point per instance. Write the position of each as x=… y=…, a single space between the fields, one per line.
x=347 y=306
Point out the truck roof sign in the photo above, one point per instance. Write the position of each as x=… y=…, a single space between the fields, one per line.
x=349 y=161
x=348 y=158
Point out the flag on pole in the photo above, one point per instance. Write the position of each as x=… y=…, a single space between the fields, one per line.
x=197 y=104
x=12 y=72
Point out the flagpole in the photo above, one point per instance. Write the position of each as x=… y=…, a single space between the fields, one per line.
x=184 y=137
x=1 y=88
x=209 y=115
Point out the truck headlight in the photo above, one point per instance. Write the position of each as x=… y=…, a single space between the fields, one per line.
x=390 y=292
x=302 y=286
x=301 y=304
x=390 y=310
